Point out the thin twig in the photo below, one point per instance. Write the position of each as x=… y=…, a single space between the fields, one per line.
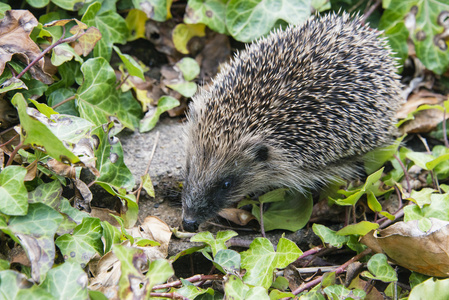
x=58 y=42
x=432 y=173
x=407 y=177
x=262 y=228
x=339 y=270
x=446 y=143
x=64 y=101
x=122 y=82
x=6 y=143
x=192 y=279
x=370 y=11
x=13 y=153
x=172 y=295
x=310 y=252
x=156 y=140
x=397 y=215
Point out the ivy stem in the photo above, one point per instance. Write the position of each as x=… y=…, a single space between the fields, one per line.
x=64 y=101
x=58 y=42
x=370 y=11
x=432 y=173
x=2 y=145
x=446 y=142
x=262 y=228
x=190 y=279
x=172 y=295
x=404 y=169
x=13 y=153
x=339 y=270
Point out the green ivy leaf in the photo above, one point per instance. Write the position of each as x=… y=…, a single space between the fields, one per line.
x=72 y=212
x=438 y=208
x=60 y=95
x=252 y=19
x=165 y=103
x=354 y=196
x=13 y=193
x=84 y=243
x=360 y=228
x=58 y=278
x=209 y=12
x=228 y=259
x=147 y=184
x=47 y=193
x=110 y=160
x=432 y=288
x=189 y=291
x=131 y=262
x=68 y=4
x=158 y=10
x=159 y=271
x=431 y=47
x=340 y=292
x=380 y=269
x=189 y=68
x=12 y=282
x=236 y=289
x=98 y=100
x=111 y=25
x=328 y=236
x=291 y=214
x=36 y=232
x=3 y=8
x=216 y=244
x=39 y=136
x=261 y=260
x=111 y=235
x=421 y=197
x=133 y=67
x=63 y=53
x=187 y=89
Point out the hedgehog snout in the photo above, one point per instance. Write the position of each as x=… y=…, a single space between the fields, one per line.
x=190 y=225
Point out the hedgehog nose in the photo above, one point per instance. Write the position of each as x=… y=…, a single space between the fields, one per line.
x=190 y=225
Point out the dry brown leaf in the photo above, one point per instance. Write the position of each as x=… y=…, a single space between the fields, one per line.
x=425 y=120
x=361 y=284
x=104 y=214
x=83 y=195
x=15 y=29
x=61 y=169
x=106 y=275
x=238 y=216
x=154 y=229
x=417 y=99
x=404 y=243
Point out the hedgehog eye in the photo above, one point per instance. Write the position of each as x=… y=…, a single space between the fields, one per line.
x=226 y=185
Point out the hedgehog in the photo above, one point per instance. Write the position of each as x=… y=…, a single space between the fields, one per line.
x=296 y=109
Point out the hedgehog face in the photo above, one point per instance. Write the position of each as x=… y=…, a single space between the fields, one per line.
x=221 y=181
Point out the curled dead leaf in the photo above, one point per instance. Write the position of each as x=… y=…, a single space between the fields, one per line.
x=15 y=29
x=238 y=216
x=422 y=252
x=61 y=169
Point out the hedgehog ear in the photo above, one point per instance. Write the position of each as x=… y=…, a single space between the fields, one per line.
x=261 y=152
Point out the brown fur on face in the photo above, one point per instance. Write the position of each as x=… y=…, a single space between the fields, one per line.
x=291 y=110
